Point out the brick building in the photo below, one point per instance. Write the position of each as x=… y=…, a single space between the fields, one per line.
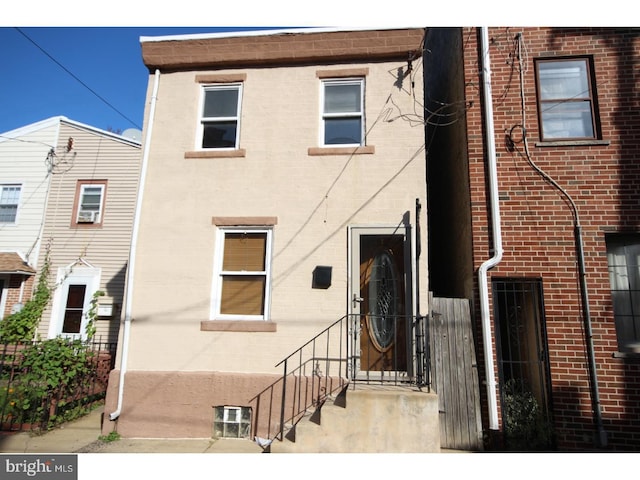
x=546 y=211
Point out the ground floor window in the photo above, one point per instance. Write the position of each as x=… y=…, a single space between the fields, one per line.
x=242 y=274
x=623 y=256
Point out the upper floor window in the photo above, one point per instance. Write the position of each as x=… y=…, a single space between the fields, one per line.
x=220 y=116
x=566 y=99
x=623 y=255
x=342 y=112
x=243 y=274
x=89 y=202
x=9 y=201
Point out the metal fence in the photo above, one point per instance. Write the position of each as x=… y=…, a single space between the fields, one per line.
x=47 y=382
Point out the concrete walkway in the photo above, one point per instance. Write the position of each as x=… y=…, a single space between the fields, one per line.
x=82 y=436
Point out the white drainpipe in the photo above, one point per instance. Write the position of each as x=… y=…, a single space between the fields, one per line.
x=132 y=254
x=497 y=234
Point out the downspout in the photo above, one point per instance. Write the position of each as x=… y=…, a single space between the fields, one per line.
x=132 y=253
x=496 y=230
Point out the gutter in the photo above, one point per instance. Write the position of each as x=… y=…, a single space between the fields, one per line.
x=497 y=234
x=132 y=254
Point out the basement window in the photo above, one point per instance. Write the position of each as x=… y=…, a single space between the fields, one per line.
x=232 y=422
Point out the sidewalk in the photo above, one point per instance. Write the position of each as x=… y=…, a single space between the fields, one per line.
x=82 y=436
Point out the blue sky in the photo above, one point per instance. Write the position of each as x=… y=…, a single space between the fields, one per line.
x=83 y=60
x=93 y=75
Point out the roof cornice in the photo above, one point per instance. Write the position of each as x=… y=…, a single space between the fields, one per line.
x=269 y=48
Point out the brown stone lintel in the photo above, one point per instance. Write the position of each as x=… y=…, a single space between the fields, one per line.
x=221 y=78
x=240 y=152
x=244 y=221
x=366 y=150
x=345 y=72
x=237 y=326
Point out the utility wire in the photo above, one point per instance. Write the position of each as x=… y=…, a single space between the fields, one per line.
x=77 y=79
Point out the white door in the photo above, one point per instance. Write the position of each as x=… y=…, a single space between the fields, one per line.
x=72 y=303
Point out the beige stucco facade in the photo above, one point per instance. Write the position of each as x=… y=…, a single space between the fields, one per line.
x=280 y=177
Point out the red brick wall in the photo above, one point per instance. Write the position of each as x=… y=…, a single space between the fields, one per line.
x=12 y=291
x=537 y=224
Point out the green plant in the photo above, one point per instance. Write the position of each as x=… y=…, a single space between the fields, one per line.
x=526 y=425
x=92 y=314
x=111 y=437
x=54 y=383
x=21 y=326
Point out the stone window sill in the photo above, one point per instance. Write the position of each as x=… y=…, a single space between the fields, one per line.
x=241 y=152
x=237 y=326
x=573 y=143
x=366 y=150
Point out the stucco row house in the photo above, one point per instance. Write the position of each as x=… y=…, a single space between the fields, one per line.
x=67 y=199
x=283 y=187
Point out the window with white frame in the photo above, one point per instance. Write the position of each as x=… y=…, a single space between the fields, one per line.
x=90 y=202
x=342 y=112
x=242 y=274
x=220 y=116
x=9 y=201
x=623 y=256
x=566 y=99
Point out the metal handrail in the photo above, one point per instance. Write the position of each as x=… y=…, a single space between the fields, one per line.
x=323 y=339
x=313 y=366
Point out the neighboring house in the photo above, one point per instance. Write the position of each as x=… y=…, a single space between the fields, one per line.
x=283 y=176
x=533 y=144
x=69 y=193
x=24 y=185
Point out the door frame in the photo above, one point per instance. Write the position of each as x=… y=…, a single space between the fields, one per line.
x=76 y=274
x=353 y=290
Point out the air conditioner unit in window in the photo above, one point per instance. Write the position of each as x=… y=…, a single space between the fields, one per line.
x=87 y=216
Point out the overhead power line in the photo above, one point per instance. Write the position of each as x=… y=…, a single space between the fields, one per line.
x=77 y=79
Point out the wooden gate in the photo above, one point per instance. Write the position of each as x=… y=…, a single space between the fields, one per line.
x=455 y=374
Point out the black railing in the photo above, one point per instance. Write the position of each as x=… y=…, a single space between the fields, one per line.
x=44 y=383
x=356 y=349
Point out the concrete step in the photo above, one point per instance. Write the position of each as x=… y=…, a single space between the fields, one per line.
x=369 y=420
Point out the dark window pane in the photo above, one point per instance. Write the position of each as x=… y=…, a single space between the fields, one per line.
x=342 y=131
x=73 y=311
x=75 y=298
x=219 y=135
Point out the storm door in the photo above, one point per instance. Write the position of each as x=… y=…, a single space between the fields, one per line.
x=523 y=365
x=381 y=301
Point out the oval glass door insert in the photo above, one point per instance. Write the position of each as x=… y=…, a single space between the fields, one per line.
x=383 y=300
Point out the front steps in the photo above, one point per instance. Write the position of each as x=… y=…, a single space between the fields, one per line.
x=368 y=419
